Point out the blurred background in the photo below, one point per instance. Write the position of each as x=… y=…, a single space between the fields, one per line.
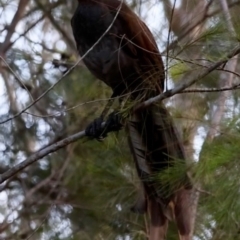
x=85 y=190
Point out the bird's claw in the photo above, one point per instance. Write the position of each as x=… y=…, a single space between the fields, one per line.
x=114 y=122
x=96 y=130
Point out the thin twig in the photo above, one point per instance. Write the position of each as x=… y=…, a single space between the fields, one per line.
x=17 y=78
x=204 y=90
x=183 y=86
x=168 y=40
x=191 y=90
x=67 y=72
x=62 y=143
x=225 y=80
x=189 y=30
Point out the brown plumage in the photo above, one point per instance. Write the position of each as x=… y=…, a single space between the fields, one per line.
x=128 y=60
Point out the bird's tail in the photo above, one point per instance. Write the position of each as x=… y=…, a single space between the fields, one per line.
x=155 y=146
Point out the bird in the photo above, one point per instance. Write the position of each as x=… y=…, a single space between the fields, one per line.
x=120 y=50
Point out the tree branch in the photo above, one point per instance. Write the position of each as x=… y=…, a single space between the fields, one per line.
x=40 y=154
x=189 y=30
x=11 y=29
x=73 y=138
x=18 y=78
x=225 y=80
x=183 y=86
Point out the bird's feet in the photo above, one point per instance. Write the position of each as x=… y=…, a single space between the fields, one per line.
x=114 y=122
x=97 y=129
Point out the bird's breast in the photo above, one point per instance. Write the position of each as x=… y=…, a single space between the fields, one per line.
x=106 y=60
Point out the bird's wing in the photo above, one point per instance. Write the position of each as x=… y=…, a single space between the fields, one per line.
x=136 y=39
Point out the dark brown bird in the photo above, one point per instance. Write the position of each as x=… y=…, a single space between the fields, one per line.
x=127 y=59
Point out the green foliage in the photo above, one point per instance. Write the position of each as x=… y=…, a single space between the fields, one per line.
x=86 y=190
x=178 y=69
x=218 y=173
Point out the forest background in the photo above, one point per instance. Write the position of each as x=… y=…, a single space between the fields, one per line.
x=84 y=190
